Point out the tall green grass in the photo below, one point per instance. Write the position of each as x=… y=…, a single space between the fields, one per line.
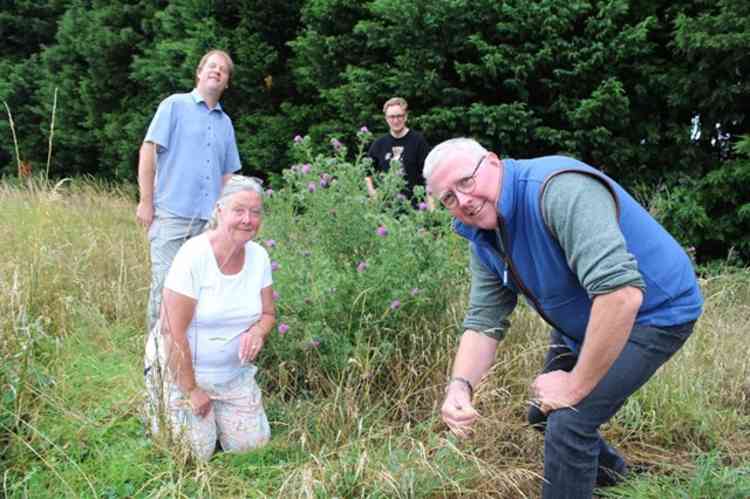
x=74 y=275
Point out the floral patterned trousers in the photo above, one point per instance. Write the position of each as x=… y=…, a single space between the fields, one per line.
x=236 y=419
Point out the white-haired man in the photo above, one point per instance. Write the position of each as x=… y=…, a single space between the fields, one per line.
x=618 y=291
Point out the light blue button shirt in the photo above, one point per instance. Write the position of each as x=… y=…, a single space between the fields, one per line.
x=196 y=147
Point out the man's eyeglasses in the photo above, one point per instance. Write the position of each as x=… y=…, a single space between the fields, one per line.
x=394 y=116
x=464 y=185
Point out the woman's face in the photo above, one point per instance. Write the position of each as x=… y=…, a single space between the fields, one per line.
x=241 y=216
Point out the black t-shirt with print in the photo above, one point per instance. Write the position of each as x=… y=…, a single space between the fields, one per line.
x=411 y=150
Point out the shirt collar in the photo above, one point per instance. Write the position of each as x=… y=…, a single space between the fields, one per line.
x=198 y=98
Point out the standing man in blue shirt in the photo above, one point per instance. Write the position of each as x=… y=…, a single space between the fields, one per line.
x=188 y=154
x=618 y=291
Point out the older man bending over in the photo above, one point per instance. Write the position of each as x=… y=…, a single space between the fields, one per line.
x=618 y=291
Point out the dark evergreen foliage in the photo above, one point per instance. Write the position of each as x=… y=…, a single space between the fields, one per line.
x=655 y=93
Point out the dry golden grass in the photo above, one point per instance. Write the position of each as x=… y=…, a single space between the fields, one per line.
x=74 y=274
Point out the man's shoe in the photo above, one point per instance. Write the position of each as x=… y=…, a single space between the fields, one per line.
x=606 y=477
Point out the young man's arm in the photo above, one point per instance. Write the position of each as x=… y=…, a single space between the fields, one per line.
x=157 y=136
x=144 y=212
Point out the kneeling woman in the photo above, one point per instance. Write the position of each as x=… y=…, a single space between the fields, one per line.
x=217 y=311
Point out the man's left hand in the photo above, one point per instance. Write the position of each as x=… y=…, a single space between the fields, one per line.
x=555 y=390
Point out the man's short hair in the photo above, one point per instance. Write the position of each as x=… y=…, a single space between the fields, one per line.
x=395 y=101
x=438 y=153
x=230 y=62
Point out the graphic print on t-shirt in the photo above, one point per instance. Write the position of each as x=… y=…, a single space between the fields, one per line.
x=397 y=152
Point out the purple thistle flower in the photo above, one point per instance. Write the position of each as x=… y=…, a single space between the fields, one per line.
x=311 y=187
x=269 y=192
x=361 y=266
x=336 y=144
x=270 y=243
x=325 y=179
x=312 y=344
x=306 y=168
x=422 y=206
x=297 y=139
x=364 y=130
x=395 y=304
x=274 y=265
x=283 y=328
x=415 y=291
x=275 y=295
x=382 y=231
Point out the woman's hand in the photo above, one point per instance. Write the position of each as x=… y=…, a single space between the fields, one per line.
x=251 y=342
x=200 y=402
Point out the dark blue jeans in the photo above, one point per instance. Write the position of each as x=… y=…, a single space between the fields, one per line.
x=575 y=455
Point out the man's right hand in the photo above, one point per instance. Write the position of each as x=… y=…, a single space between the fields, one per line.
x=457 y=411
x=144 y=214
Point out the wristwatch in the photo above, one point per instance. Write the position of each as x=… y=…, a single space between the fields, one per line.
x=465 y=381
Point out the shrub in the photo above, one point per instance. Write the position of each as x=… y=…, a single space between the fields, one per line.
x=353 y=274
x=712 y=213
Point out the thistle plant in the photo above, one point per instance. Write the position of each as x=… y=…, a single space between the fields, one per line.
x=347 y=264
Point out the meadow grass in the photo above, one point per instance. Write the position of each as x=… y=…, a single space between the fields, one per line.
x=74 y=277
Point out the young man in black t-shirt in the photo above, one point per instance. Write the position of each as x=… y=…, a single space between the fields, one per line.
x=401 y=144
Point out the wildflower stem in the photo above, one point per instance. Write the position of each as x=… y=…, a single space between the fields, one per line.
x=15 y=139
x=51 y=134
